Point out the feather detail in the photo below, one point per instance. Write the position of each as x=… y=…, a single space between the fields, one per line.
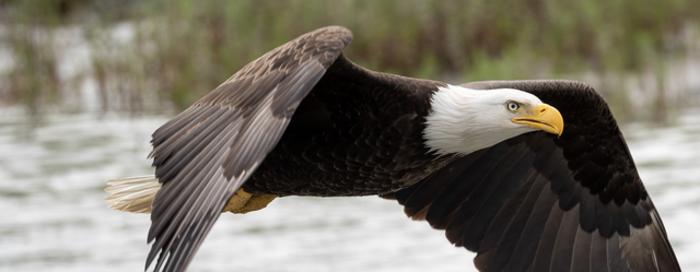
x=133 y=194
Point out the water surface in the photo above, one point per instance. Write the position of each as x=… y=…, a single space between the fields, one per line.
x=54 y=218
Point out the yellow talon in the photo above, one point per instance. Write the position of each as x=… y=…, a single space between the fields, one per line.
x=244 y=202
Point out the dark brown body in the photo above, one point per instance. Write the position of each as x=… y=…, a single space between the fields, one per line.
x=351 y=139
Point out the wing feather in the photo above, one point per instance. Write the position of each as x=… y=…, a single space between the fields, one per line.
x=204 y=154
x=541 y=203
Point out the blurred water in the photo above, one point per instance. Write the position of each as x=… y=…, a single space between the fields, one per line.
x=54 y=219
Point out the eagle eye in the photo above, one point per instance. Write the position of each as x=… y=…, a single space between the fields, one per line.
x=512 y=106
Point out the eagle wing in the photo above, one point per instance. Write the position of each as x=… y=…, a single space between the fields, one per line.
x=541 y=203
x=207 y=152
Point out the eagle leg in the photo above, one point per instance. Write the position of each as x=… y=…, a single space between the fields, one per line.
x=244 y=202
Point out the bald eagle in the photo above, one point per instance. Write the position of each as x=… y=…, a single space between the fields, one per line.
x=488 y=162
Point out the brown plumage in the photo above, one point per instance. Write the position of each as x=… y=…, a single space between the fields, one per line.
x=226 y=138
x=304 y=120
x=542 y=203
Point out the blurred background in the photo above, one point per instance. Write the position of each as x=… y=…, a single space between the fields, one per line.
x=83 y=83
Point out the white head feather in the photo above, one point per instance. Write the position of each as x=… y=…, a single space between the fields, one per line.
x=465 y=120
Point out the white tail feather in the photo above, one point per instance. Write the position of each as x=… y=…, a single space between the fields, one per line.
x=134 y=194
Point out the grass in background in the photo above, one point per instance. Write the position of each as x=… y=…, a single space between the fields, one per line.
x=181 y=49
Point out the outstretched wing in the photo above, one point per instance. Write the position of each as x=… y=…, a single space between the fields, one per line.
x=207 y=152
x=541 y=203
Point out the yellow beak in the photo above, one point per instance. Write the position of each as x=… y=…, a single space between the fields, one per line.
x=543 y=117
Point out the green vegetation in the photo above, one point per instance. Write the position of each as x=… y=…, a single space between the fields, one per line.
x=184 y=48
